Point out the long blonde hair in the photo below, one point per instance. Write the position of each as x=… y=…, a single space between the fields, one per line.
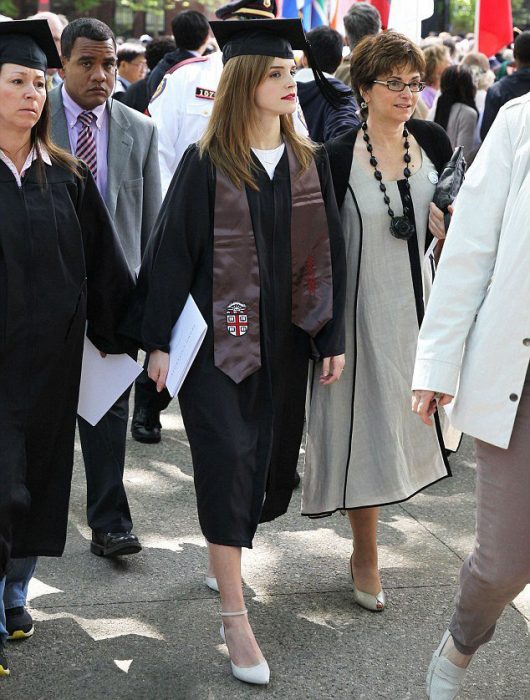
x=234 y=118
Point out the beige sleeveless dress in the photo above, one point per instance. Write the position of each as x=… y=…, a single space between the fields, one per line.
x=365 y=447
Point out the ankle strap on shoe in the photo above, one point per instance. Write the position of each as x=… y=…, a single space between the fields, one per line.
x=233 y=614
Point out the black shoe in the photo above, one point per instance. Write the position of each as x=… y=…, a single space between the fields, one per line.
x=19 y=623
x=145 y=425
x=4 y=668
x=114 y=544
x=296 y=482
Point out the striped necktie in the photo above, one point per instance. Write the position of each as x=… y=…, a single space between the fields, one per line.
x=86 y=143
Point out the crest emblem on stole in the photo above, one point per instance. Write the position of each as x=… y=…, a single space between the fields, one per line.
x=236 y=319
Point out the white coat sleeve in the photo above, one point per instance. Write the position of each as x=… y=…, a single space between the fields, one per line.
x=167 y=115
x=467 y=263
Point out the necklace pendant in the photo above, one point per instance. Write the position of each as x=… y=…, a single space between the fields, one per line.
x=402 y=228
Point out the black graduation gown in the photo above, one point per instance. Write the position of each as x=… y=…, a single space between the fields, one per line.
x=244 y=438
x=61 y=264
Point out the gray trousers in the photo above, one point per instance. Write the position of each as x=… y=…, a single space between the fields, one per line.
x=498 y=569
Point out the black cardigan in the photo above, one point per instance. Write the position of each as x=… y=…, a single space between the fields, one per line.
x=430 y=136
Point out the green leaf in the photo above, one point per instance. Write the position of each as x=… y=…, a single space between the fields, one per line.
x=8 y=8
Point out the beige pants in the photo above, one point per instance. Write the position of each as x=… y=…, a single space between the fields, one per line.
x=499 y=567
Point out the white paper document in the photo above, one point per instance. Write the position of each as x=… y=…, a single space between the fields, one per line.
x=186 y=339
x=103 y=381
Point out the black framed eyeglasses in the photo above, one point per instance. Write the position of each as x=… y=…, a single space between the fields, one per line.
x=399 y=85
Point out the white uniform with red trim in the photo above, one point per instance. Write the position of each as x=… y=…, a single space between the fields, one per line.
x=181 y=107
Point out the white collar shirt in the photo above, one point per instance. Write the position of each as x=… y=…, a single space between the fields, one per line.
x=32 y=156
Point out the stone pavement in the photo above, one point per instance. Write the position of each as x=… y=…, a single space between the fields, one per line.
x=146 y=626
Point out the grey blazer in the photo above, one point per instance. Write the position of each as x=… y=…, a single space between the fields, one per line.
x=133 y=182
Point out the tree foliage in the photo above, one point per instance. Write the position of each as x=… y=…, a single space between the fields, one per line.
x=158 y=6
x=155 y=6
x=462 y=14
x=521 y=13
x=8 y=8
x=65 y=7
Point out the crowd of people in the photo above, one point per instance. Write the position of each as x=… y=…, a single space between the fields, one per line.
x=285 y=181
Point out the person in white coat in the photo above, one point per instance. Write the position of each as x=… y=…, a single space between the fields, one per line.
x=181 y=107
x=474 y=345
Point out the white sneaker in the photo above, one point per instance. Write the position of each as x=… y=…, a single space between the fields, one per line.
x=444 y=678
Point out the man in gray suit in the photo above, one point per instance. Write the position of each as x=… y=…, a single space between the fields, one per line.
x=119 y=146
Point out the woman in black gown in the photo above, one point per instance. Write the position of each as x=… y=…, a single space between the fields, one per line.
x=250 y=228
x=61 y=265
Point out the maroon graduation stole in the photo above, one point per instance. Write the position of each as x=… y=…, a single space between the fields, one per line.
x=236 y=282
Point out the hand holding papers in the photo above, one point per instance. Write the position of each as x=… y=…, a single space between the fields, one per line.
x=103 y=381
x=186 y=339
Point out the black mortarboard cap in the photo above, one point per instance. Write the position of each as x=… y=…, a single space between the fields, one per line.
x=28 y=42
x=272 y=37
x=259 y=37
x=264 y=9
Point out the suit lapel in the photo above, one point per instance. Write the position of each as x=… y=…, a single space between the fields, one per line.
x=120 y=146
x=59 y=125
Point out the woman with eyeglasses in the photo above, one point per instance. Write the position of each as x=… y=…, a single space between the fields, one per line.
x=364 y=449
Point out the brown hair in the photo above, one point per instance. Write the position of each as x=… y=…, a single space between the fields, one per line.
x=380 y=55
x=234 y=118
x=41 y=138
x=434 y=55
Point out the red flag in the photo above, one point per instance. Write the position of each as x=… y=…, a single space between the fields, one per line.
x=494 y=25
x=384 y=10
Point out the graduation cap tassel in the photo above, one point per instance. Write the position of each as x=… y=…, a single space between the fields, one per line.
x=275 y=38
x=335 y=97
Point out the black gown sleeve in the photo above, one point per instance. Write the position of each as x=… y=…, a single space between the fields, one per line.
x=340 y=119
x=109 y=281
x=340 y=154
x=434 y=141
x=179 y=239
x=331 y=339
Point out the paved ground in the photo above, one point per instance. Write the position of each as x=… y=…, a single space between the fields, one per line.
x=147 y=627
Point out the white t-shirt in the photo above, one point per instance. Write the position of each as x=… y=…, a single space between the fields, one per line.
x=270 y=158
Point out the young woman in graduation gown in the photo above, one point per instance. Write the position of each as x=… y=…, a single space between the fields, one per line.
x=61 y=265
x=251 y=229
x=364 y=449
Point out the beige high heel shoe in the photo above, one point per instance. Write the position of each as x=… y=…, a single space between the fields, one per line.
x=374 y=603
x=258 y=674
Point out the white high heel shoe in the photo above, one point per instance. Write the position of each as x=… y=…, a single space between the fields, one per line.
x=444 y=678
x=374 y=603
x=211 y=582
x=258 y=674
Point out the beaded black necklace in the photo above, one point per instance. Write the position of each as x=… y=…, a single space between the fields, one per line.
x=400 y=226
